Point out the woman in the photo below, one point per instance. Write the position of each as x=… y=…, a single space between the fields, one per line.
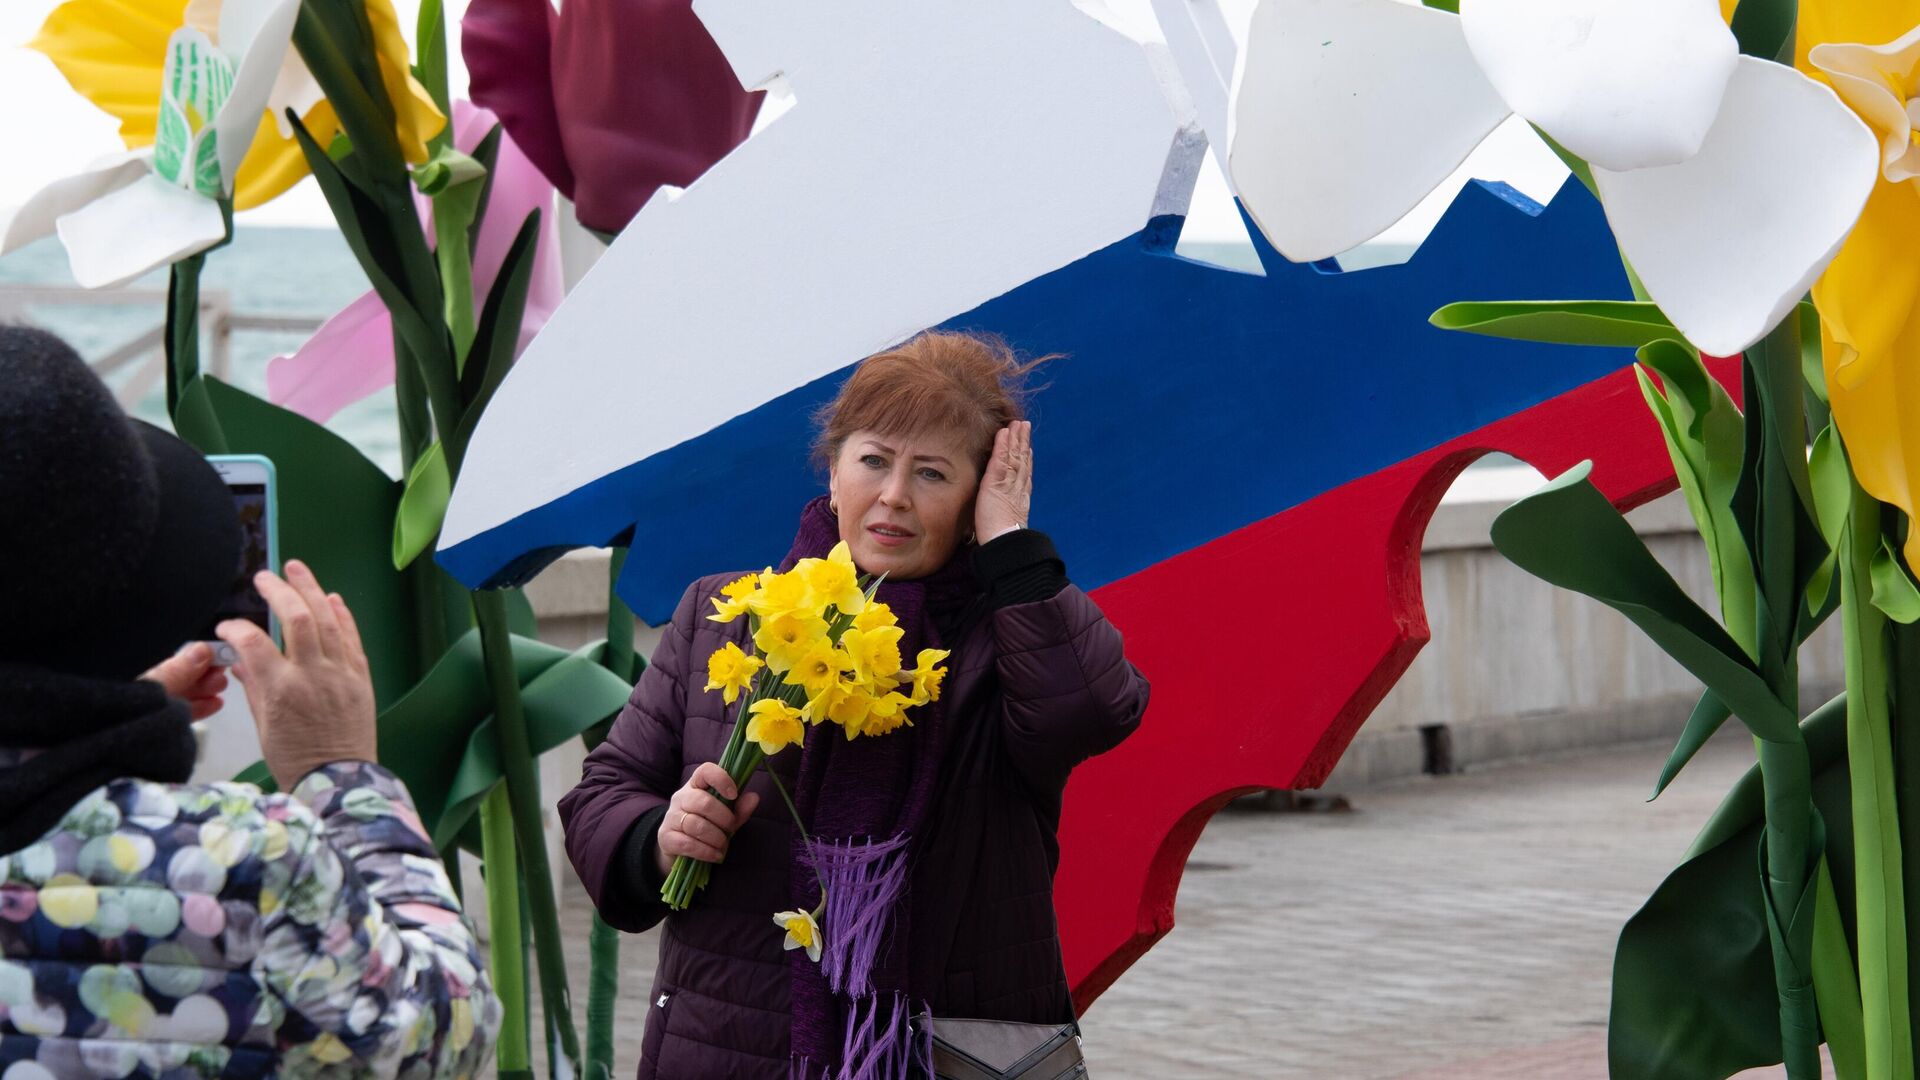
x=930 y=469
x=153 y=928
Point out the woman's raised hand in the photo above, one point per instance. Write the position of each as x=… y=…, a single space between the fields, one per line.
x=1006 y=489
x=313 y=704
x=698 y=825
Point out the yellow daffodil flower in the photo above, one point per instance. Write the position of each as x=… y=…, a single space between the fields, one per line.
x=875 y=614
x=886 y=713
x=1869 y=297
x=737 y=593
x=778 y=595
x=849 y=706
x=927 y=675
x=819 y=667
x=833 y=581
x=112 y=53
x=775 y=725
x=783 y=639
x=729 y=670
x=802 y=932
x=875 y=654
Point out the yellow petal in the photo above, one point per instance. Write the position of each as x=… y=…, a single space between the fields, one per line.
x=112 y=52
x=1869 y=303
x=1864 y=22
x=418 y=118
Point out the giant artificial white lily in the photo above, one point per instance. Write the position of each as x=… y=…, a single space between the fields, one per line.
x=134 y=211
x=1730 y=182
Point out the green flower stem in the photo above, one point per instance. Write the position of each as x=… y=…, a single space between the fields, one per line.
x=183 y=326
x=603 y=942
x=523 y=795
x=603 y=988
x=1906 y=745
x=1776 y=496
x=1879 y=884
x=505 y=960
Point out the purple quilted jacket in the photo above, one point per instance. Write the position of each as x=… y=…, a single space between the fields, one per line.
x=1034 y=688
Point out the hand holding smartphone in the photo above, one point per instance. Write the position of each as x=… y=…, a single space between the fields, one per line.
x=250 y=479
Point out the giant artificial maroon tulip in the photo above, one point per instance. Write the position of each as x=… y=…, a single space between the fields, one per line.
x=610 y=98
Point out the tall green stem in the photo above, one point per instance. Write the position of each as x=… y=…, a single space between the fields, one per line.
x=1775 y=501
x=603 y=941
x=1878 y=874
x=523 y=795
x=183 y=327
x=603 y=989
x=1906 y=748
x=506 y=961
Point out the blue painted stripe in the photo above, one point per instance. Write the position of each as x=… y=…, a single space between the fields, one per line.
x=1193 y=401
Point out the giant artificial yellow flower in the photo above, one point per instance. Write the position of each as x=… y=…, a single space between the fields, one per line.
x=112 y=53
x=1869 y=297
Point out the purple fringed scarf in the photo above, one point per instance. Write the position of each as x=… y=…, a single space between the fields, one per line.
x=864 y=801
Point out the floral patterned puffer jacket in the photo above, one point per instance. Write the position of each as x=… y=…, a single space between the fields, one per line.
x=173 y=931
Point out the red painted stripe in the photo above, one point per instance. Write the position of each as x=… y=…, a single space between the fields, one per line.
x=1268 y=647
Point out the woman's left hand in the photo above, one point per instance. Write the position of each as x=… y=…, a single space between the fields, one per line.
x=191 y=676
x=1006 y=490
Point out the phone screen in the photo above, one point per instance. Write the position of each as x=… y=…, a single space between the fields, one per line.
x=243 y=600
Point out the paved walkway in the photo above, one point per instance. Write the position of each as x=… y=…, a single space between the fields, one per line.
x=1457 y=928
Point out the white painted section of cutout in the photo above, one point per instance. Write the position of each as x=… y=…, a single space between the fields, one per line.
x=937 y=155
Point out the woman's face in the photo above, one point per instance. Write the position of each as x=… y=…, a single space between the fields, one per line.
x=904 y=501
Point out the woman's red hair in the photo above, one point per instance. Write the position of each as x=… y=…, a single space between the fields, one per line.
x=972 y=383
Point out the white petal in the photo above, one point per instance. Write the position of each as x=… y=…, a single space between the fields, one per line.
x=255 y=32
x=294 y=88
x=1346 y=114
x=144 y=225
x=37 y=217
x=1625 y=84
x=1729 y=240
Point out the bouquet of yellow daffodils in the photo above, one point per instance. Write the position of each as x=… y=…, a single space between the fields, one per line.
x=823 y=650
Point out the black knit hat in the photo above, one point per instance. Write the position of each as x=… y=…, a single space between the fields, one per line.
x=118 y=542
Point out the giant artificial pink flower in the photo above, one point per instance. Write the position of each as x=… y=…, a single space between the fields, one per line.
x=610 y=98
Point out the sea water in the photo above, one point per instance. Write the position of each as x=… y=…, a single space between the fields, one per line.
x=302 y=272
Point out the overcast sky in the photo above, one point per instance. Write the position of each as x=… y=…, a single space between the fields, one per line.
x=48 y=131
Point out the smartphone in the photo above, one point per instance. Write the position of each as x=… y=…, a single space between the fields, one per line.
x=249 y=478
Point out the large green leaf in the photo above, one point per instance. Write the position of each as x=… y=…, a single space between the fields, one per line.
x=1707 y=716
x=499 y=328
x=1569 y=535
x=440 y=737
x=335 y=509
x=363 y=224
x=423 y=506
x=1703 y=431
x=1893 y=590
x=1622 y=323
x=1693 y=976
x=1835 y=985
